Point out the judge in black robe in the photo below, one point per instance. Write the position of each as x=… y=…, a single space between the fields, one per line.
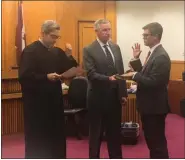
x=42 y=99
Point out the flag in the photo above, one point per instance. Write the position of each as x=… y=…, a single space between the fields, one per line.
x=20 y=39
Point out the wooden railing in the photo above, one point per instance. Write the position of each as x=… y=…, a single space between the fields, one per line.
x=10 y=86
x=176 y=92
x=12 y=116
x=12 y=108
x=129 y=112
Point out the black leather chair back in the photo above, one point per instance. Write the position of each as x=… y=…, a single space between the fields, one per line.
x=77 y=93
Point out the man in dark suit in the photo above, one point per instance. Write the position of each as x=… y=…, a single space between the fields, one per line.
x=102 y=60
x=152 y=98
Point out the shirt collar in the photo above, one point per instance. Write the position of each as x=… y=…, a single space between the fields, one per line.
x=43 y=43
x=101 y=43
x=154 y=47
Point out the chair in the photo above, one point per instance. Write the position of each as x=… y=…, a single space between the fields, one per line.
x=77 y=99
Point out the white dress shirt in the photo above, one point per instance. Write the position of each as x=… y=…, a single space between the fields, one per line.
x=102 y=46
x=151 y=50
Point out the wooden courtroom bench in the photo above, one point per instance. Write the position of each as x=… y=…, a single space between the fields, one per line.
x=176 y=92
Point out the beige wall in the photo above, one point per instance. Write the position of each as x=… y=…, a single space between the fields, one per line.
x=133 y=15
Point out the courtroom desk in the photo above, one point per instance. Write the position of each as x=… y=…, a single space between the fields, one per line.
x=176 y=92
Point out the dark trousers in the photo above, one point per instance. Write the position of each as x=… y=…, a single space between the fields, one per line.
x=42 y=147
x=106 y=120
x=154 y=132
x=44 y=129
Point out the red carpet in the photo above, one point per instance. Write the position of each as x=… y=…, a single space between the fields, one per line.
x=13 y=145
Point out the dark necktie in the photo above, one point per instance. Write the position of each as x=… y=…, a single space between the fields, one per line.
x=109 y=56
x=110 y=61
x=147 y=57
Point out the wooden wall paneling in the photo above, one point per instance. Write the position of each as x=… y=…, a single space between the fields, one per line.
x=67 y=13
x=10 y=86
x=3 y=55
x=110 y=14
x=73 y=12
x=35 y=13
x=8 y=27
x=12 y=116
x=86 y=37
x=177 y=67
x=67 y=22
x=59 y=5
x=176 y=92
x=92 y=10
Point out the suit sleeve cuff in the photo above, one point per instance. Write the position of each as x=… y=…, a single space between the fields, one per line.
x=134 y=75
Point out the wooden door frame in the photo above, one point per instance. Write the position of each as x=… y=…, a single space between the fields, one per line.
x=78 y=37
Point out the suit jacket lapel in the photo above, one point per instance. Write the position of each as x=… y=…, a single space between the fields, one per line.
x=151 y=57
x=100 y=51
x=113 y=49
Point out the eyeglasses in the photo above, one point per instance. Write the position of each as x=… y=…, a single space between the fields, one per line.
x=55 y=36
x=146 y=35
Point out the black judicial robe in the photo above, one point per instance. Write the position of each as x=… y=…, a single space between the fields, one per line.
x=42 y=99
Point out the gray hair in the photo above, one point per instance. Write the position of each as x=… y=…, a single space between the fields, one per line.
x=49 y=26
x=100 y=21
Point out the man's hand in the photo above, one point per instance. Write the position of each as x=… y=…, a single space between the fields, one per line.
x=112 y=78
x=136 y=50
x=68 y=49
x=80 y=71
x=123 y=100
x=53 y=76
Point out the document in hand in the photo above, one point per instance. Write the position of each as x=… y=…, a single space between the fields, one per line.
x=136 y=65
x=70 y=73
x=123 y=77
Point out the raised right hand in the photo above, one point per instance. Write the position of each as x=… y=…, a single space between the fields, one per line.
x=68 y=49
x=53 y=76
x=136 y=50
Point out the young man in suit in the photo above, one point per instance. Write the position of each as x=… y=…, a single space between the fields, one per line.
x=152 y=96
x=102 y=60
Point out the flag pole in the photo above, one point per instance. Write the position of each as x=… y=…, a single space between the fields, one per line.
x=20 y=33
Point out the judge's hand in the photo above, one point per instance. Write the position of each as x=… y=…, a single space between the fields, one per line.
x=53 y=77
x=123 y=101
x=80 y=71
x=136 y=50
x=112 y=78
x=68 y=49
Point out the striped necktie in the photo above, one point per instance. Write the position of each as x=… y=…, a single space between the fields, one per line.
x=147 y=57
x=110 y=60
